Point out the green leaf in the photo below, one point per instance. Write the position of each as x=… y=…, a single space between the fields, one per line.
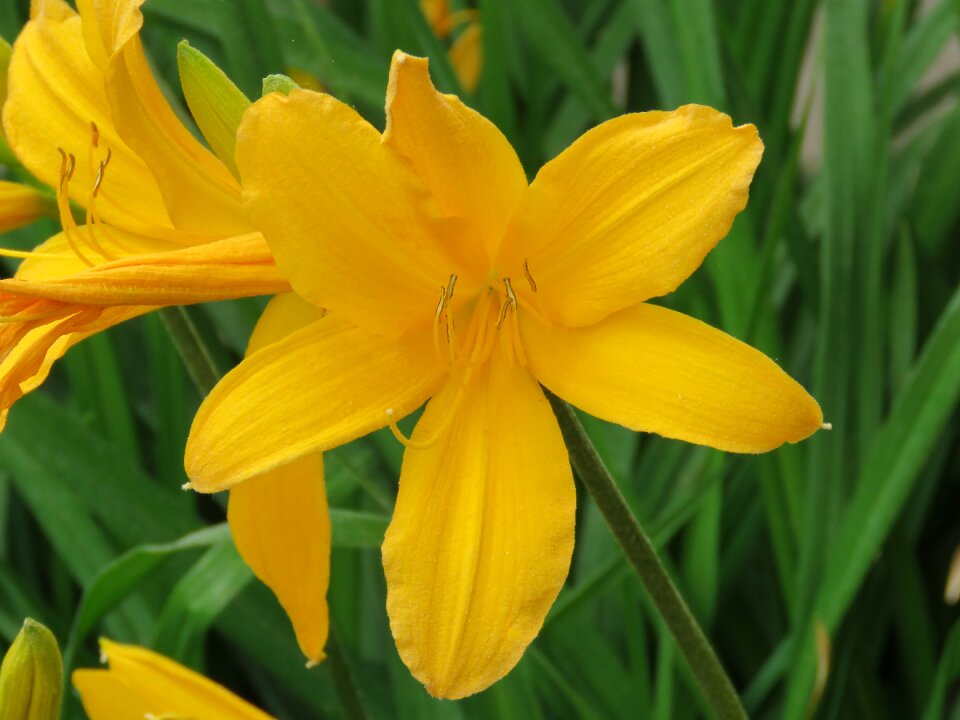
x=551 y=32
x=355 y=529
x=117 y=580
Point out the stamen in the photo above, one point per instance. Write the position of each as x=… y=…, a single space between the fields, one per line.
x=450 y=287
x=442 y=428
x=95 y=132
x=511 y=301
x=526 y=271
x=68 y=164
x=27 y=254
x=442 y=302
x=101 y=169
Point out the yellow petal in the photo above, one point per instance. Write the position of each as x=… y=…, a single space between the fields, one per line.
x=460 y=156
x=347 y=221
x=482 y=533
x=29 y=348
x=200 y=193
x=55 y=100
x=660 y=371
x=20 y=205
x=279 y=520
x=225 y=269
x=629 y=210
x=322 y=386
x=140 y=683
x=466 y=56
x=281 y=527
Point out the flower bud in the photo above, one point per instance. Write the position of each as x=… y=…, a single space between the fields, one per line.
x=214 y=101
x=31 y=677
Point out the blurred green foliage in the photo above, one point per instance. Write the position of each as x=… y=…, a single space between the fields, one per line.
x=844 y=267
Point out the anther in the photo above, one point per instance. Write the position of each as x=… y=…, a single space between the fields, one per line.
x=100 y=171
x=526 y=271
x=450 y=286
x=511 y=301
x=442 y=303
x=71 y=166
x=95 y=133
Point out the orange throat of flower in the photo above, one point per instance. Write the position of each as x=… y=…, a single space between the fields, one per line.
x=491 y=318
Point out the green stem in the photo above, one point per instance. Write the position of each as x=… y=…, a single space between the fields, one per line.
x=707 y=670
x=200 y=365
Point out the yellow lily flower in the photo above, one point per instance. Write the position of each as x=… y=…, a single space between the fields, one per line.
x=164 y=222
x=466 y=52
x=142 y=684
x=540 y=283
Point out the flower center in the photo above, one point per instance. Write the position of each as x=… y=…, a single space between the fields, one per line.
x=492 y=319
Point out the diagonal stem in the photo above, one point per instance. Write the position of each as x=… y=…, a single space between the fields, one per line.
x=194 y=353
x=700 y=656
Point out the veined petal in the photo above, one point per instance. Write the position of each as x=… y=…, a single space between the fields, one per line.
x=20 y=205
x=29 y=347
x=200 y=193
x=347 y=221
x=657 y=370
x=56 y=99
x=279 y=520
x=142 y=684
x=482 y=533
x=629 y=210
x=461 y=157
x=322 y=386
x=281 y=527
x=225 y=269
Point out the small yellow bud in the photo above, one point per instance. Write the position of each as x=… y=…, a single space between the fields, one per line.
x=214 y=101
x=21 y=204
x=31 y=677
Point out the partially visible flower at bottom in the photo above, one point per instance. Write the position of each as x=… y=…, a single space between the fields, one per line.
x=140 y=683
x=31 y=677
x=540 y=283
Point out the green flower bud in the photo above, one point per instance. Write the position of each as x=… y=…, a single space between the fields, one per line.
x=31 y=677
x=214 y=101
x=279 y=83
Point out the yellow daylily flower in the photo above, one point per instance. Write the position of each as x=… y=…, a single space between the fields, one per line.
x=466 y=52
x=544 y=282
x=164 y=223
x=143 y=684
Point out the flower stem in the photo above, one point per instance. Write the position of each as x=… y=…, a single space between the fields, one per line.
x=707 y=670
x=196 y=357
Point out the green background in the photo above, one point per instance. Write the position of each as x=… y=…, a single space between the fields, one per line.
x=844 y=268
